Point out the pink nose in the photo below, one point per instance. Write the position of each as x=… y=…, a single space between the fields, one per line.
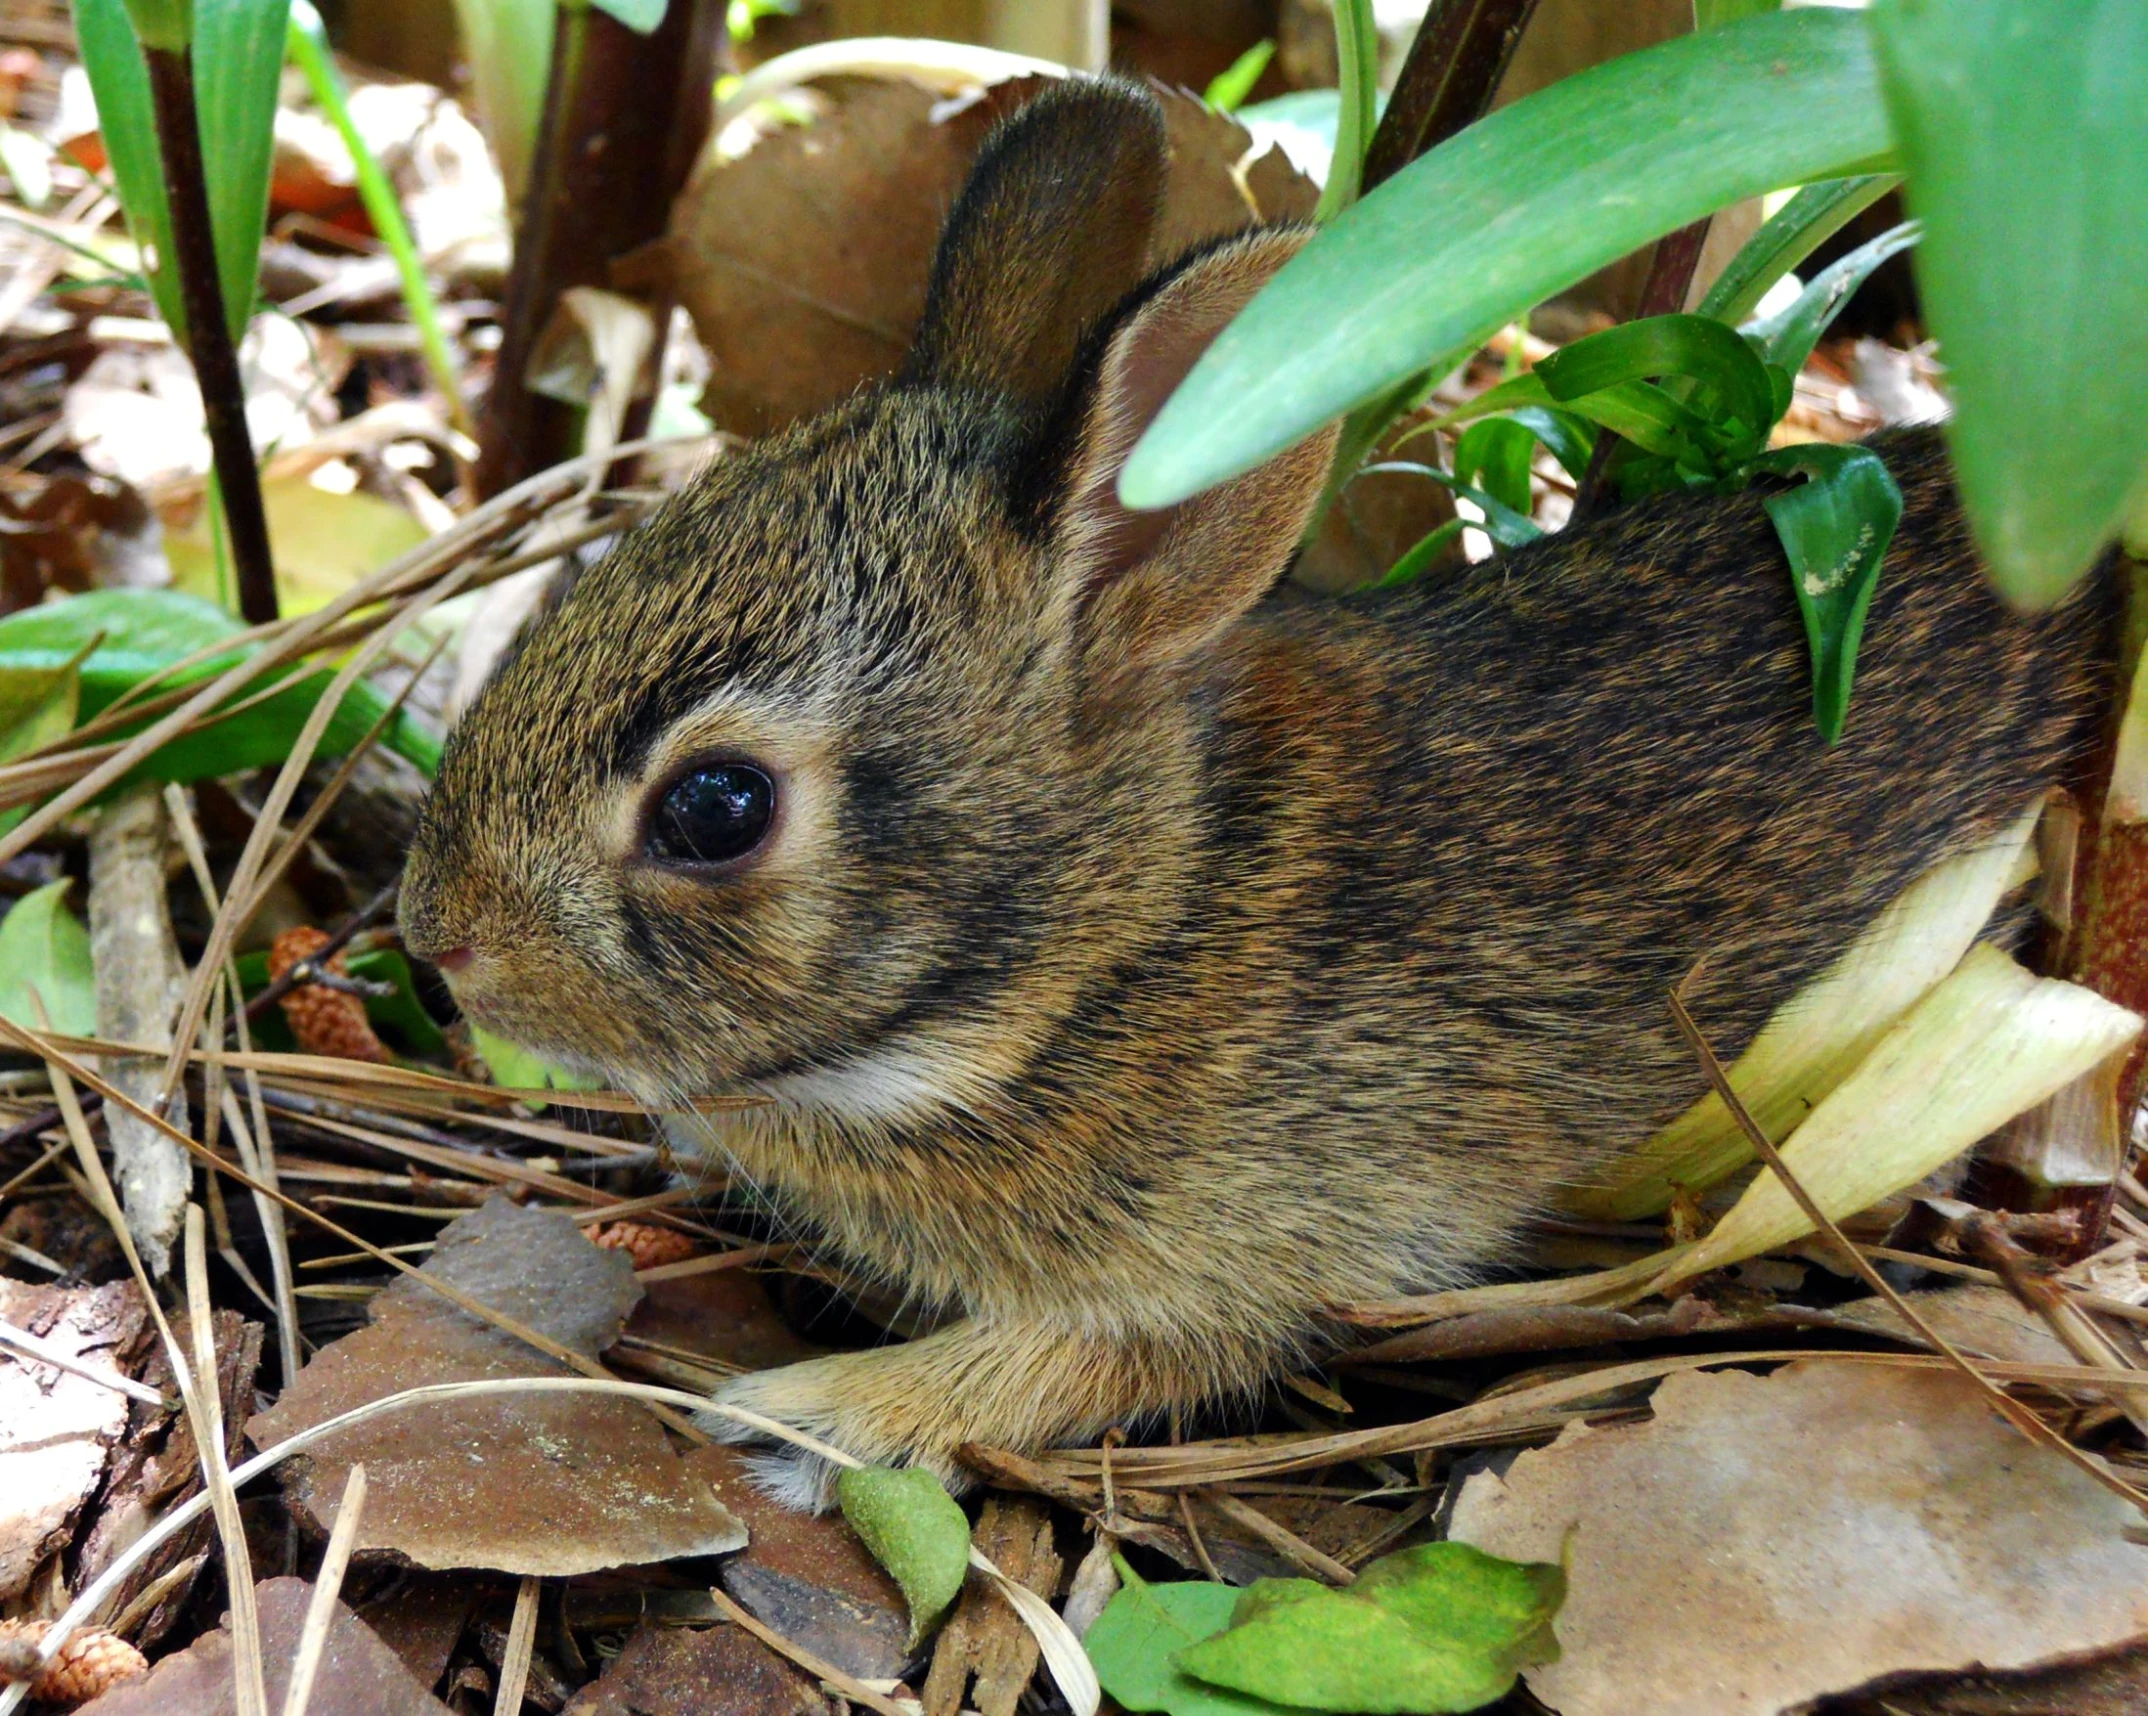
x=456 y=958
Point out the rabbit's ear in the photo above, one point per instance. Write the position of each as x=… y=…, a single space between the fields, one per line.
x=1139 y=588
x=1049 y=233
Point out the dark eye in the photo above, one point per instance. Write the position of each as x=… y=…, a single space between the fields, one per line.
x=712 y=815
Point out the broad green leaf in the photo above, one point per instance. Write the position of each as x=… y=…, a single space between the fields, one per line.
x=144 y=631
x=1632 y=410
x=640 y=16
x=44 y=947
x=1438 y=1628
x=915 y=1530
x=1713 y=14
x=1228 y=89
x=1512 y=210
x=238 y=48
x=507 y=45
x=38 y=707
x=1569 y=438
x=1792 y=233
x=1357 y=59
x=1786 y=339
x=1134 y=1641
x=518 y=1068
x=1835 y=527
x=166 y=24
x=2025 y=132
x=1693 y=346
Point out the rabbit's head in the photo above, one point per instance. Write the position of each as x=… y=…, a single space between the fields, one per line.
x=845 y=769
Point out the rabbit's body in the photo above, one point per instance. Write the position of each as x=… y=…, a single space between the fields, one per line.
x=1139 y=970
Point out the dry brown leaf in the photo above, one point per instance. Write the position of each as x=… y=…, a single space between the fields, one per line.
x=804 y=261
x=1985 y=1322
x=667 y=1671
x=1765 y=1540
x=537 y=1484
x=359 y=1676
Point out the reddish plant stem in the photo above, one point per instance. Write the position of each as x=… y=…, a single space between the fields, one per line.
x=207 y=333
x=625 y=115
x=1447 y=81
x=1670 y=278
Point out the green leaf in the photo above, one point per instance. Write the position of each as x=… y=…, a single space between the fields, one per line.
x=1835 y=527
x=1228 y=89
x=640 y=16
x=1502 y=523
x=1713 y=14
x=1134 y=1641
x=1421 y=556
x=139 y=632
x=1569 y=437
x=1786 y=339
x=38 y=707
x=1438 y=1628
x=507 y=45
x=1357 y=59
x=1694 y=346
x=1804 y=223
x=518 y=1068
x=166 y=24
x=1512 y=210
x=1496 y=455
x=2025 y=131
x=44 y=947
x=915 y=1530
x=238 y=48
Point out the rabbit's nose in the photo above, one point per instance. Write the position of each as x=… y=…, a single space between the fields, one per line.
x=455 y=958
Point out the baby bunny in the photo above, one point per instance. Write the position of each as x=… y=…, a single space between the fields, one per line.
x=1135 y=957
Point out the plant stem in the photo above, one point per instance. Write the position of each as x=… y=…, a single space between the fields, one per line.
x=1448 y=79
x=624 y=118
x=207 y=333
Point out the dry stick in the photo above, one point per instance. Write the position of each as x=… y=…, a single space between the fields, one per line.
x=2018 y=1415
x=1447 y=81
x=521 y=1642
x=327 y=1586
x=207 y=333
x=819 y=1668
x=249 y=1689
x=65 y=1066
x=1279 y=1538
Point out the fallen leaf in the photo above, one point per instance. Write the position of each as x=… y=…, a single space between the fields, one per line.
x=57 y=1430
x=358 y=1676
x=719 y=1671
x=803 y=262
x=1765 y=1540
x=915 y=1530
x=807 y=1576
x=537 y=1484
x=43 y=947
x=1441 y=1627
x=324 y=542
x=986 y=1638
x=1135 y=1643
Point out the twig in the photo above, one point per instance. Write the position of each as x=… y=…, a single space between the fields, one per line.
x=207 y=333
x=307 y=969
x=521 y=1642
x=40 y=1351
x=2016 y=1414
x=249 y=1687
x=1281 y=1539
x=1447 y=81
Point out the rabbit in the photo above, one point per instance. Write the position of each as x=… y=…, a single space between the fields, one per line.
x=1134 y=956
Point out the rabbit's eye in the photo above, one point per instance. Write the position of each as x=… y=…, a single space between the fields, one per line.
x=712 y=815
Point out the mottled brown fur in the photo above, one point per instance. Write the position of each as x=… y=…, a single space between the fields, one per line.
x=1144 y=961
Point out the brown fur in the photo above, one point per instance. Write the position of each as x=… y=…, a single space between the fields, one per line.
x=1144 y=961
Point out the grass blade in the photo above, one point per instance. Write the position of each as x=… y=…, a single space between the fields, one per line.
x=1807 y=221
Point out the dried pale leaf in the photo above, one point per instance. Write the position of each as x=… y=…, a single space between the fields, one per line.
x=1987 y=1042
x=324 y=541
x=551 y=1485
x=1813 y=1041
x=1984 y=1322
x=1764 y=1541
